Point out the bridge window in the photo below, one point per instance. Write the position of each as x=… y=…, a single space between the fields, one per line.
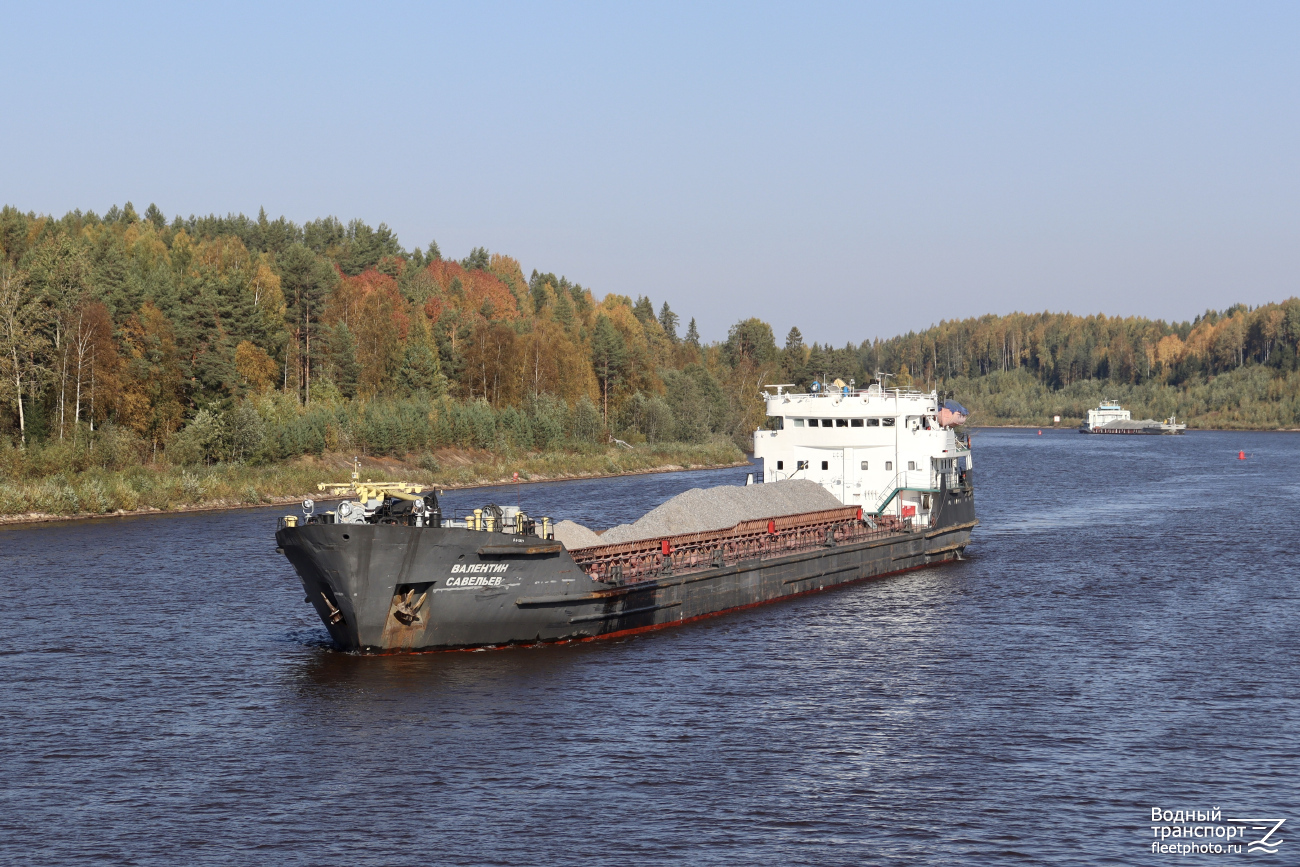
x=857 y=422
x=803 y=465
x=873 y=422
x=826 y=465
x=826 y=422
x=887 y=422
x=864 y=465
x=911 y=465
x=889 y=465
x=841 y=422
x=798 y=422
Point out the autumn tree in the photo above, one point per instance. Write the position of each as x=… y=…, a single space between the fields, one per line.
x=256 y=368
x=151 y=399
x=491 y=370
x=381 y=333
x=93 y=360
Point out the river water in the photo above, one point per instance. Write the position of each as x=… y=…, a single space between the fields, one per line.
x=1124 y=635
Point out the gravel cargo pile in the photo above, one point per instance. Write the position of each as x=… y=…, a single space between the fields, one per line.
x=701 y=509
x=574 y=535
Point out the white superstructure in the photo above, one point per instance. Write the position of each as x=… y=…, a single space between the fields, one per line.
x=1108 y=412
x=883 y=450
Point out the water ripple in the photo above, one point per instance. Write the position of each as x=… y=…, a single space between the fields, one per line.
x=1123 y=635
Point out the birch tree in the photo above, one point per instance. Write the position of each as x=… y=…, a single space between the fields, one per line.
x=22 y=344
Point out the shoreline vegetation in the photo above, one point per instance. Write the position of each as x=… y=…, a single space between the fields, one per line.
x=155 y=363
x=101 y=493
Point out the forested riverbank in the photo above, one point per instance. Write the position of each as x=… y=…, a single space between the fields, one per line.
x=54 y=482
x=148 y=362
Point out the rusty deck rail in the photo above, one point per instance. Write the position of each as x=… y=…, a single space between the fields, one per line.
x=760 y=539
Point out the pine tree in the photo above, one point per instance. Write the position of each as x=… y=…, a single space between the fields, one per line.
x=477 y=260
x=643 y=310
x=608 y=356
x=341 y=358
x=305 y=280
x=750 y=341
x=693 y=334
x=564 y=309
x=668 y=321
x=420 y=371
x=792 y=357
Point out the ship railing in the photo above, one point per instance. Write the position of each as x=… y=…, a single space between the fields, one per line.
x=926 y=481
x=945 y=479
x=832 y=392
x=762 y=539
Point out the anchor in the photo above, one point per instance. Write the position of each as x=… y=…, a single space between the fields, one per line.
x=332 y=614
x=407 y=610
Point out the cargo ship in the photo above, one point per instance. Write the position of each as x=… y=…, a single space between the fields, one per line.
x=388 y=571
x=1111 y=418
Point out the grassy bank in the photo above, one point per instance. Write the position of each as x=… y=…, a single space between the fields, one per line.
x=37 y=486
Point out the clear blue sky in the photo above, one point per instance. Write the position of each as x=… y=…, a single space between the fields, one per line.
x=856 y=170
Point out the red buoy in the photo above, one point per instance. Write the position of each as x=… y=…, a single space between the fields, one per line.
x=1241 y=456
x=1040 y=433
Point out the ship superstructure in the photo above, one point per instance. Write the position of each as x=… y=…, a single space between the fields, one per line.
x=884 y=450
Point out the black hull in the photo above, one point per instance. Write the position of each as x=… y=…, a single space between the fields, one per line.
x=389 y=588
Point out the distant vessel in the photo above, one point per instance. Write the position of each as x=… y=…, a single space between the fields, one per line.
x=1111 y=418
